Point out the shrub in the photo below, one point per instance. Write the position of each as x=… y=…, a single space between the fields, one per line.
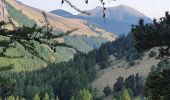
x=152 y=54
x=131 y=63
x=107 y=91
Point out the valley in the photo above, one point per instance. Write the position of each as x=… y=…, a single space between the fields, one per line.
x=56 y=55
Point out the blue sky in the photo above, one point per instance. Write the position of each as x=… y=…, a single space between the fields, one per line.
x=151 y=8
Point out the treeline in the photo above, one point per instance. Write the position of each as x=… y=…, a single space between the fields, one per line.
x=133 y=85
x=62 y=80
x=123 y=48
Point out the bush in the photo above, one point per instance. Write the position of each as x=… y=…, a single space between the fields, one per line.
x=107 y=91
x=152 y=54
x=131 y=63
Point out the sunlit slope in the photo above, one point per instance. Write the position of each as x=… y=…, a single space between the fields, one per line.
x=109 y=76
x=82 y=42
x=58 y=22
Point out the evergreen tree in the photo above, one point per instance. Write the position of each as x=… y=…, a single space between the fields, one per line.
x=118 y=86
x=147 y=36
x=46 y=97
x=107 y=91
x=57 y=98
x=124 y=95
x=23 y=99
x=83 y=95
x=152 y=35
x=17 y=98
x=11 y=98
x=36 y=97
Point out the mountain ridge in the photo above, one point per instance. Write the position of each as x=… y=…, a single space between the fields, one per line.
x=58 y=22
x=118 y=19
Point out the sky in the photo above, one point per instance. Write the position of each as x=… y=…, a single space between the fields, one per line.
x=151 y=8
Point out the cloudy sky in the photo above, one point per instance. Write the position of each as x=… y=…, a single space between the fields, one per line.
x=151 y=8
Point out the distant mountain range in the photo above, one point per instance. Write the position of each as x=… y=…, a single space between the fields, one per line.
x=118 y=19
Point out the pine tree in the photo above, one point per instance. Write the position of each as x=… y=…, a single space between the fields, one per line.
x=23 y=99
x=46 y=97
x=152 y=35
x=125 y=95
x=36 y=97
x=57 y=98
x=107 y=91
x=84 y=95
x=11 y=98
x=17 y=98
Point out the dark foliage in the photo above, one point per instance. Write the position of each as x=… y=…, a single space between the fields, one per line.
x=158 y=85
x=152 y=35
x=152 y=54
x=135 y=83
x=118 y=86
x=29 y=36
x=107 y=91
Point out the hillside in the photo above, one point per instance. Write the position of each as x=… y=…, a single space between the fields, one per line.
x=109 y=76
x=118 y=19
x=58 y=22
x=84 y=42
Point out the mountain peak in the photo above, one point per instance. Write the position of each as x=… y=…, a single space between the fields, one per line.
x=130 y=10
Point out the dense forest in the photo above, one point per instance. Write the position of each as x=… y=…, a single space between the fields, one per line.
x=63 y=80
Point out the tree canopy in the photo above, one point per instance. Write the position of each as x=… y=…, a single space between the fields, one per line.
x=156 y=34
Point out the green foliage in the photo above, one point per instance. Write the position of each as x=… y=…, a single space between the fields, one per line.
x=36 y=97
x=62 y=79
x=131 y=63
x=152 y=54
x=57 y=98
x=118 y=86
x=29 y=62
x=18 y=16
x=107 y=91
x=103 y=56
x=152 y=35
x=11 y=98
x=136 y=98
x=123 y=47
x=84 y=43
x=133 y=83
x=46 y=97
x=124 y=95
x=17 y=98
x=83 y=95
x=157 y=83
x=145 y=98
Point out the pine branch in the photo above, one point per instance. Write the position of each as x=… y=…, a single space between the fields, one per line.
x=28 y=36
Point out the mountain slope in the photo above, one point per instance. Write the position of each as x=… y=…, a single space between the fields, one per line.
x=118 y=19
x=85 y=39
x=109 y=76
x=58 y=22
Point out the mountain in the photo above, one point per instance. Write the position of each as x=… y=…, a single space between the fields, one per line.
x=59 y=23
x=118 y=19
x=61 y=12
x=85 y=39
